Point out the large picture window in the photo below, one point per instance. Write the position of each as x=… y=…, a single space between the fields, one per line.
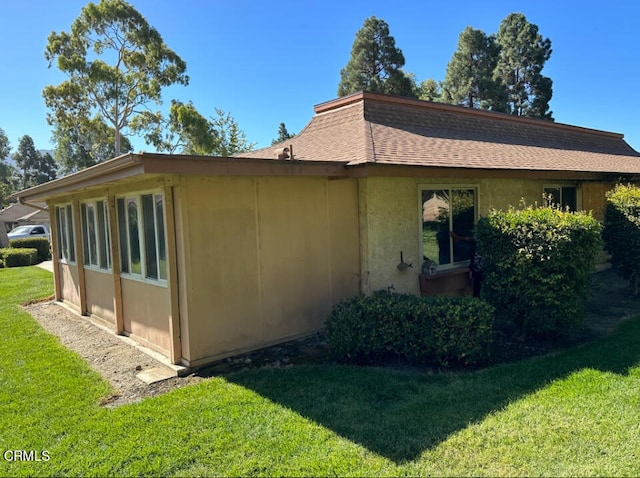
x=95 y=234
x=448 y=221
x=142 y=236
x=66 y=241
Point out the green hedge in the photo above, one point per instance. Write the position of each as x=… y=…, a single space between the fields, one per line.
x=538 y=264
x=386 y=325
x=39 y=243
x=622 y=232
x=15 y=257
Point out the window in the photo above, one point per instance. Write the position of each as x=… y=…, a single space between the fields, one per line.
x=565 y=197
x=448 y=220
x=95 y=234
x=66 y=242
x=142 y=237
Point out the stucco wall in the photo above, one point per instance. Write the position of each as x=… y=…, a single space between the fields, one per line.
x=100 y=291
x=390 y=215
x=265 y=259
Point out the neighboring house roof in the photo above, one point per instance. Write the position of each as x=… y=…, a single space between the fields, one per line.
x=23 y=213
x=366 y=128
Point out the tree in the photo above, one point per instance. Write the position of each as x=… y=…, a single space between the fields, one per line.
x=186 y=131
x=84 y=144
x=523 y=53
x=470 y=77
x=34 y=168
x=283 y=134
x=7 y=172
x=430 y=90
x=116 y=64
x=375 y=63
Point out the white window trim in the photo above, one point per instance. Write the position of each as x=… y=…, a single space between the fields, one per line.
x=69 y=233
x=142 y=277
x=97 y=267
x=456 y=186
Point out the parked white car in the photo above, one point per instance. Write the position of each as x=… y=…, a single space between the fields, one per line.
x=31 y=230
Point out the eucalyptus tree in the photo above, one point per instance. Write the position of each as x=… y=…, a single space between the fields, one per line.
x=187 y=131
x=523 y=53
x=375 y=63
x=116 y=64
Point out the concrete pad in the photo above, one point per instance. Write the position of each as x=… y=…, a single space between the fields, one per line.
x=156 y=374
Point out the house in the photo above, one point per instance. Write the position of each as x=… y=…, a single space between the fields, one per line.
x=18 y=214
x=200 y=258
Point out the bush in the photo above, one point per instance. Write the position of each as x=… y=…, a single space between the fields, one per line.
x=622 y=232
x=385 y=326
x=39 y=243
x=538 y=264
x=15 y=257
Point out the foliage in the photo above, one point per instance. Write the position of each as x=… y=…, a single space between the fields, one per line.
x=7 y=171
x=469 y=80
x=188 y=132
x=387 y=325
x=622 y=232
x=537 y=267
x=41 y=244
x=34 y=168
x=375 y=63
x=523 y=53
x=430 y=90
x=15 y=257
x=283 y=134
x=85 y=143
x=116 y=64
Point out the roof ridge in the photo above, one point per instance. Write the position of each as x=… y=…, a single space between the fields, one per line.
x=462 y=110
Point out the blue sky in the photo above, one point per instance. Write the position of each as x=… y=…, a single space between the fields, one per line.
x=268 y=62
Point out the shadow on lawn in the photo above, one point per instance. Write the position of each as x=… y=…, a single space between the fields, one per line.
x=400 y=414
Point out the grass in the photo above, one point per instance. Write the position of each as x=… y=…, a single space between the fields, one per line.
x=573 y=413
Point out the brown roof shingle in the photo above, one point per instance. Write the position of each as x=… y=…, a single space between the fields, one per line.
x=373 y=128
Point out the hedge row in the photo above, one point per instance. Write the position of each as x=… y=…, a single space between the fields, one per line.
x=39 y=243
x=15 y=257
x=441 y=330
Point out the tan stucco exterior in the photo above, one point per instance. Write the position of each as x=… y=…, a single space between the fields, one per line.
x=262 y=259
x=390 y=220
x=254 y=259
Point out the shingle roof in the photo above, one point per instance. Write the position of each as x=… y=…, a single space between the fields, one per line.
x=372 y=128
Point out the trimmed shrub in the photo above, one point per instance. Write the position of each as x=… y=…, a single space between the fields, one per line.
x=15 y=257
x=538 y=264
x=39 y=243
x=622 y=232
x=386 y=326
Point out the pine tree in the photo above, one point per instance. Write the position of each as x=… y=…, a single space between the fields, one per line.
x=283 y=134
x=470 y=73
x=523 y=53
x=375 y=63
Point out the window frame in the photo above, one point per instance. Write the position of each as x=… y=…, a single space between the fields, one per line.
x=100 y=238
x=560 y=185
x=142 y=227
x=448 y=188
x=65 y=235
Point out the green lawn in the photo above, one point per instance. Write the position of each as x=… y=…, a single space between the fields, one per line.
x=573 y=413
